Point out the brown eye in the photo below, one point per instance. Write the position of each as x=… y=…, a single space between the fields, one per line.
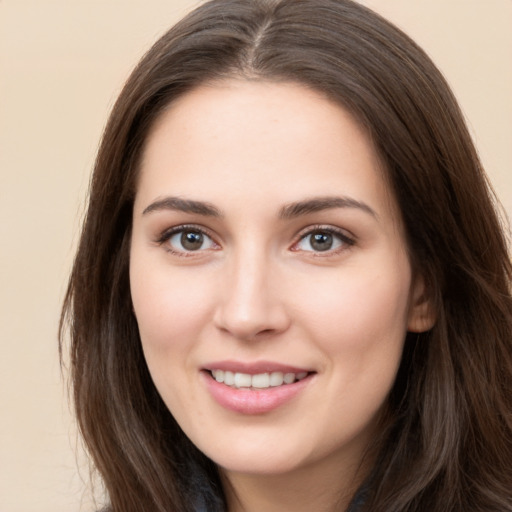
x=191 y=240
x=321 y=241
x=184 y=240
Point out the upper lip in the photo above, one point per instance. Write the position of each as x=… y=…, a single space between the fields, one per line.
x=254 y=368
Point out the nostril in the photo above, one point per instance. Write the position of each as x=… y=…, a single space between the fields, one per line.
x=266 y=332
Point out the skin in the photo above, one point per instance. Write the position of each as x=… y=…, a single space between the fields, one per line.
x=258 y=289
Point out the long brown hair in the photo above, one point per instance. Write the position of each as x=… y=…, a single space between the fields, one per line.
x=446 y=442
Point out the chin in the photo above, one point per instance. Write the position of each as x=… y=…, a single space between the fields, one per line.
x=250 y=455
x=262 y=464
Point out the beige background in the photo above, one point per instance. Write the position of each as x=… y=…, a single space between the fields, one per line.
x=62 y=63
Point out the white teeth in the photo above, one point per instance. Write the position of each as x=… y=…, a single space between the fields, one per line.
x=289 y=378
x=229 y=378
x=276 y=379
x=218 y=375
x=260 y=381
x=242 y=380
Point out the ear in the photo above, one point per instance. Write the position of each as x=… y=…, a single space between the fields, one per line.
x=422 y=315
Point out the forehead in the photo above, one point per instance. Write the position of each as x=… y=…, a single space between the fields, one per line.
x=266 y=140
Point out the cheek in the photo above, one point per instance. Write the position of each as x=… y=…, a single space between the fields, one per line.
x=357 y=312
x=171 y=307
x=171 y=310
x=359 y=322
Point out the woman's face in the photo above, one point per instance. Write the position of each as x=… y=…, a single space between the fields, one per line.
x=269 y=276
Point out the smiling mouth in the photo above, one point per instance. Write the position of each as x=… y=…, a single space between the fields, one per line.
x=267 y=380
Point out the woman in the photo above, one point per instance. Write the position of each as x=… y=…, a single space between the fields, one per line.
x=292 y=288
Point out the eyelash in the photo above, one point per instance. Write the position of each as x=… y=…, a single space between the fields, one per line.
x=346 y=241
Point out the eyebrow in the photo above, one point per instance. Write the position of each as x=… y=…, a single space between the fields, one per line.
x=288 y=211
x=183 y=205
x=317 y=204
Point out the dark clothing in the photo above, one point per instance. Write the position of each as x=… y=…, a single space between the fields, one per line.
x=355 y=504
x=358 y=501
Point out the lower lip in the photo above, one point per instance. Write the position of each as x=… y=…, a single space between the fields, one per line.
x=254 y=401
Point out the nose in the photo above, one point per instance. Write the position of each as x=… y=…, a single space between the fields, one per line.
x=252 y=304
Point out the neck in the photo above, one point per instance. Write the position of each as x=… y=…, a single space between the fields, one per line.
x=323 y=489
